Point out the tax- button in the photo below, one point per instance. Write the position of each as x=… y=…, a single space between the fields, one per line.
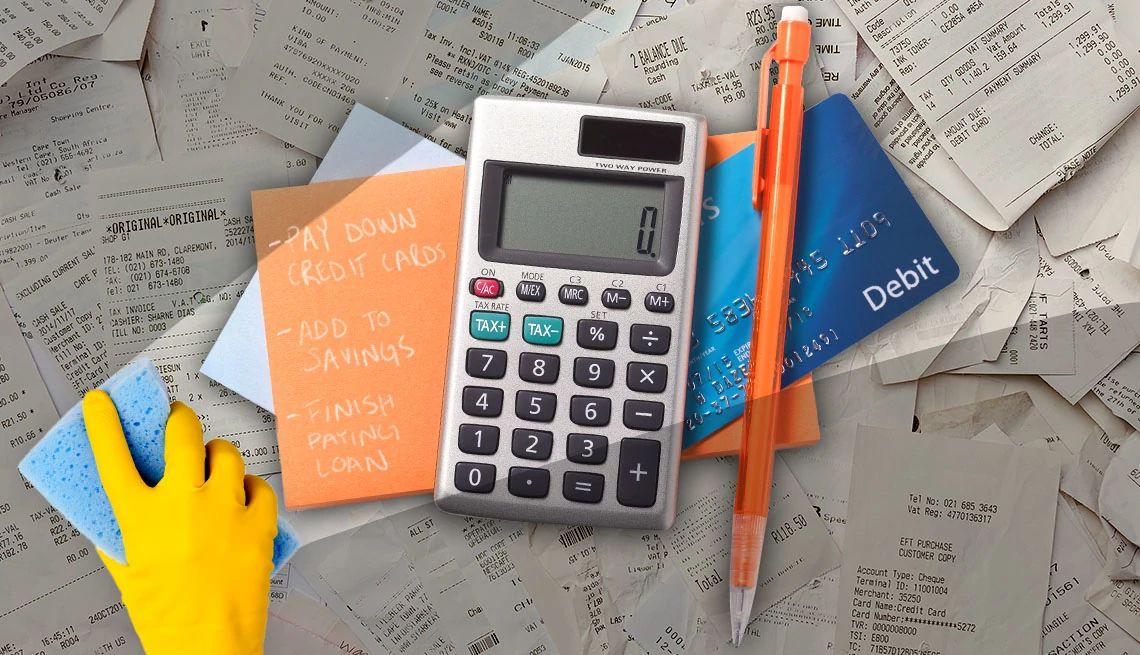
x=542 y=330
x=490 y=326
x=637 y=472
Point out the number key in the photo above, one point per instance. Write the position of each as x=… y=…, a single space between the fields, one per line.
x=535 y=406
x=532 y=444
x=594 y=373
x=478 y=439
x=482 y=401
x=587 y=448
x=485 y=363
x=474 y=478
x=534 y=367
x=590 y=410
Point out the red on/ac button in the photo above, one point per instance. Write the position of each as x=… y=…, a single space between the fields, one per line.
x=486 y=287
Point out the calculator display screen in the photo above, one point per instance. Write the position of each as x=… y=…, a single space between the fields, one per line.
x=592 y=216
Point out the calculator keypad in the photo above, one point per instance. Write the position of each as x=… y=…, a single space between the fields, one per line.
x=583 y=487
x=535 y=406
x=586 y=448
x=646 y=377
x=538 y=367
x=486 y=363
x=532 y=444
x=649 y=339
x=638 y=462
x=475 y=439
x=475 y=478
x=528 y=482
x=482 y=401
x=637 y=472
x=597 y=335
x=593 y=373
x=643 y=415
x=591 y=411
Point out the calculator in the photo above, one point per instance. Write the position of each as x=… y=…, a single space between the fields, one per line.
x=570 y=328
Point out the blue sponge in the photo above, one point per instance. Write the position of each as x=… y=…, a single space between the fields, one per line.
x=62 y=467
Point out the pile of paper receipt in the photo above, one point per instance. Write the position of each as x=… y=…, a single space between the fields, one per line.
x=975 y=489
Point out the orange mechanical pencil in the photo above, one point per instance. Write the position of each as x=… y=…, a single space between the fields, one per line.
x=775 y=184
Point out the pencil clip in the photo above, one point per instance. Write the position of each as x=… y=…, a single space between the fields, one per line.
x=763 y=120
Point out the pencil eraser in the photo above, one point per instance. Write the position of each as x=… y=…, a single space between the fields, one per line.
x=62 y=467
x=795 y=13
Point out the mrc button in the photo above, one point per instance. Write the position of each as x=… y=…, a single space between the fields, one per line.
x=573 y=294
x=486 y=287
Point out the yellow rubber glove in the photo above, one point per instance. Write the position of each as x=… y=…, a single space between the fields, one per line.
x=199 y=544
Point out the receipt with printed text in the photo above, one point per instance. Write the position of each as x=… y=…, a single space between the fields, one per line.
x=309 y=62
x=61 y=118
x=941 y=549
x=705 y=59
x=974 y=70
x=57 y=596
x=526 y=48
x=176 y=252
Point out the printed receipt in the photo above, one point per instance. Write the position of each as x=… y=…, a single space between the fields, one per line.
x=176 y=251
x=535 y=49
x=185 y=74
x=973 y=71
x=940 y=563
x=57 y=598
x=310 y=61
x=704 y=58
x=63 y=117
x=33 y=28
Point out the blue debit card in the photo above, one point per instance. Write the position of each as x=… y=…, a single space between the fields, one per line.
x=864 y=254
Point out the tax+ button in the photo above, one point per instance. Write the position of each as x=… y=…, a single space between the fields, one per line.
x=490 y=326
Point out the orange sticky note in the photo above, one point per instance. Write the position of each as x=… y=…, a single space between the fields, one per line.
x=356 y=280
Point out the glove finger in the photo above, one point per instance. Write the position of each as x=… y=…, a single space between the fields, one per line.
x=226 y=469
x=185 y=452
x=261 y=500
x=113 y=458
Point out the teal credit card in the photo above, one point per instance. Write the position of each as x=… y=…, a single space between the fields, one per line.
x=864 y=254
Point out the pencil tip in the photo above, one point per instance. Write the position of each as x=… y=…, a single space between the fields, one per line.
x=740 y=610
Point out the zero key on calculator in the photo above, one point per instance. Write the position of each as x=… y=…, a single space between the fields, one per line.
x=568 y=407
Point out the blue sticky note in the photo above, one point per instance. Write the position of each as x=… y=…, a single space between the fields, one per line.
x=864 y=254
